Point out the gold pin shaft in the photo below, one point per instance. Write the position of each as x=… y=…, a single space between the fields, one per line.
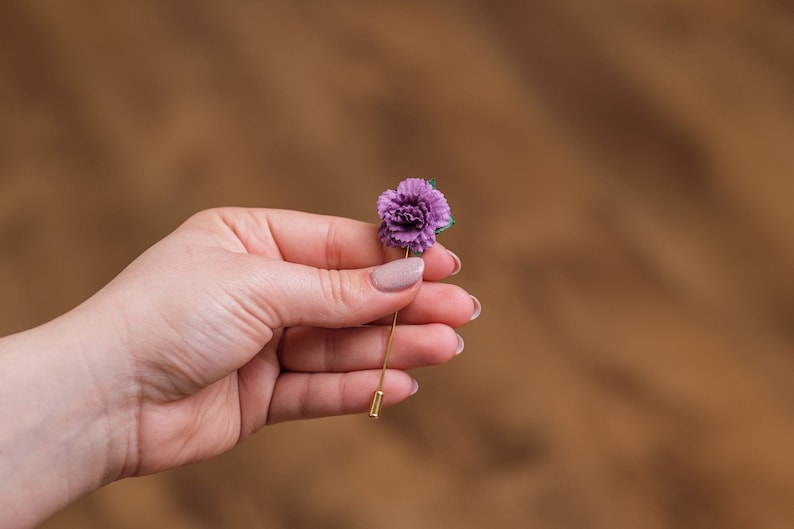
x=377 y=397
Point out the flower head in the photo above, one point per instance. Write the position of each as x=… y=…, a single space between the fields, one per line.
x=413 y=214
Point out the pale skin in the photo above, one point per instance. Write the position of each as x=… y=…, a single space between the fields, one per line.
x=238 y=319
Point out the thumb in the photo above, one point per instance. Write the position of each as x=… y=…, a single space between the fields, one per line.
x=303 y=295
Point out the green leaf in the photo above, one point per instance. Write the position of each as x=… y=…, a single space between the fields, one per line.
x=448 y=226
x=432 y=183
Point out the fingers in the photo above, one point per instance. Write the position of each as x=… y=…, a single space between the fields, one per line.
x=316 y=350
x=334 y=372
x=321 y=241
x=308 y=396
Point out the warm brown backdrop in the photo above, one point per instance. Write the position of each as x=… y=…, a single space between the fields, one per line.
x=623 y=177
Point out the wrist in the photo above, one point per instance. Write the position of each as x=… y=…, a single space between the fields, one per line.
x=68 y=421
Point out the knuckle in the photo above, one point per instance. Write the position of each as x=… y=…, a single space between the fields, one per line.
x=336 y=289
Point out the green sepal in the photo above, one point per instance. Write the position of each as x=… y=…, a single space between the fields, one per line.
x=448 y=226
x=432 y=183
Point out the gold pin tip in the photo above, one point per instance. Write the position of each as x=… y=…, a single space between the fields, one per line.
x=377 y=404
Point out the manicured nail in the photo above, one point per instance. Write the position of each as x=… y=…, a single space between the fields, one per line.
x=415 y=388
x=399 y=274
x=458 y=264
x=460 y=344
x=477 y=308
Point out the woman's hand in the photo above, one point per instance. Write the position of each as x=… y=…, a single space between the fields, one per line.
x=237 y=319
x=242 y=318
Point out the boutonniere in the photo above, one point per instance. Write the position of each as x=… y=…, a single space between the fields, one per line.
x=412 y=215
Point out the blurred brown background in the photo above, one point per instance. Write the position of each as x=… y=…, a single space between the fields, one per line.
x=623 y=178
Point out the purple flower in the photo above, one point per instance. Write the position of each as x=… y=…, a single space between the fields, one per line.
x=413 y=214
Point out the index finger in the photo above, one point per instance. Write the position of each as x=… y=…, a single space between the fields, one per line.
x=323 y=241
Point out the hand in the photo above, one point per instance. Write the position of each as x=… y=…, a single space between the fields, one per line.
x=242 y=318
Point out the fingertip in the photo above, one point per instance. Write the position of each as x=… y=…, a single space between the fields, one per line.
x=447 y=344
x=440 y=303
x=398 y=386
x=440 y=263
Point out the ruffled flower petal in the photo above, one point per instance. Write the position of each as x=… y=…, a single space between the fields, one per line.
x=412 y=215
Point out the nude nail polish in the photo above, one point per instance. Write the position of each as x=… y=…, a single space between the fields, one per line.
x=477 y=308
x=461 y=344
x=458 y=264
x=399 y=274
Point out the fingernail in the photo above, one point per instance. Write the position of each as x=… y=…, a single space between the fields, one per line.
x=399 y=274
x=460 y=344
x=415 y=388
x=477 y=308
x=458 y=264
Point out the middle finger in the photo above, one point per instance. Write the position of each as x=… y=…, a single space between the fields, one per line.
x=311 y=349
